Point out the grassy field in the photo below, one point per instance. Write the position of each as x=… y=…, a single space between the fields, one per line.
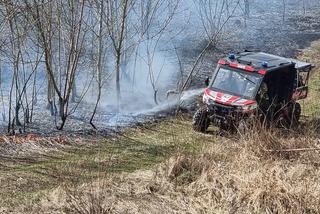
x=27 y=181
x=166 y=167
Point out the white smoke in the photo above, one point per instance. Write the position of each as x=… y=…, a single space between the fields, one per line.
x=137 y=91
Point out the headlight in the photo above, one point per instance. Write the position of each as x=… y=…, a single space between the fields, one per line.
x=206 y=99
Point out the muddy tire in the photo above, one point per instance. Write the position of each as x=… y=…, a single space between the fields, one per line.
x=248 y=124
x=200 y=121
x=291 y=120
x=283 y=122
x=243 y=126
x=296 y=113
x=228 y=128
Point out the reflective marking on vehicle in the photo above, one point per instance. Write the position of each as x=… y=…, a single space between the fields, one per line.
x=232 y=99
x=228 y=99
x=219 y=95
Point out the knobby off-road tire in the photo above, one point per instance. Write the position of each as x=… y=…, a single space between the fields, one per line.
x=200 y=121
x=296 y=113
x=244 y=125
x=227 y=128
x=292 y=119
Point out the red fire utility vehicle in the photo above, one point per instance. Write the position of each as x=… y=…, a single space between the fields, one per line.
x=252 y=84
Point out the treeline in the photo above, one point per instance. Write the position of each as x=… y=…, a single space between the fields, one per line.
x=92 y=38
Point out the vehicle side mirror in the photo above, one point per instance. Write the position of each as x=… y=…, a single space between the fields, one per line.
x=206 y=82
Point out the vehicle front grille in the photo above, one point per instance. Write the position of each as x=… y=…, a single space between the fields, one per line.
x=222 y=110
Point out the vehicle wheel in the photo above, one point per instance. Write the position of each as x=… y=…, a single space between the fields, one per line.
x=291 y=118
x=243 y=126
x=283 y=122
x=296 y=113
x=228 y=128
x=248 y=124
x=200 y=121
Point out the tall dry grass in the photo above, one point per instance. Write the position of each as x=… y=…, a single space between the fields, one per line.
x=261 y=171
x=271 y=171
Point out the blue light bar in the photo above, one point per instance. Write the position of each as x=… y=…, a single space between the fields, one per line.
x=232 y=56
x=264 y=64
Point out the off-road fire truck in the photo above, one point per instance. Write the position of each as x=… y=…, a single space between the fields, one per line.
x=253 y=85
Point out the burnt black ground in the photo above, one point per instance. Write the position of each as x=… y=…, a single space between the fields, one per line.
x=263 y=31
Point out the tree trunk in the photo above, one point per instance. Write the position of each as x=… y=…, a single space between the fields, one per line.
x=74 y=94
x=99 y=65
x=50 y=96
x=118 y=81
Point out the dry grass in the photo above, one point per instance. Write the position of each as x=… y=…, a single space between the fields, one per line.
x=259 y=172
x=27 y=177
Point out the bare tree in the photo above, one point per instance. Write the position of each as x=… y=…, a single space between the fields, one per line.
x=155 y=18
x=99 y=66
x=57 y=36
x=246 y=8
x=214 y=26
x=116 y=21
x=284 y=6
x=71 y=35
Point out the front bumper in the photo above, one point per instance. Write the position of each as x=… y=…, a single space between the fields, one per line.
x=224 y=115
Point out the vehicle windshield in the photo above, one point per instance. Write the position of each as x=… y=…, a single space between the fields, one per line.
x=236 y=83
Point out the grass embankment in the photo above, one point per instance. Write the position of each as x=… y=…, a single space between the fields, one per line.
x=265 y=171
x=311 y=106
x=25 y=181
